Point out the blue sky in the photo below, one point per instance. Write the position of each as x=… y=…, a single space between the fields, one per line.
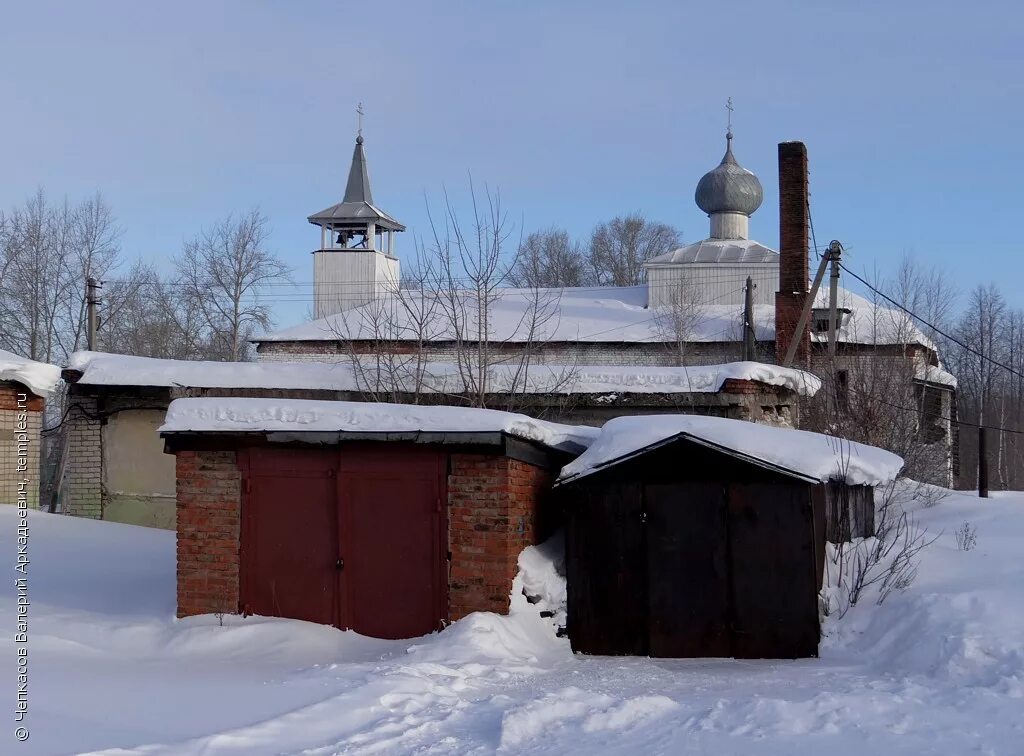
x=578 y=111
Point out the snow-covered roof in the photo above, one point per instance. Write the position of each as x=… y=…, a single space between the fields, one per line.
x=304 y=415
x=934 y=374
x=743 y=251
x=870 y=323
x=811 y=456
x=696 y=379
x=591 y=315
x=41 y=378
x=103 y=369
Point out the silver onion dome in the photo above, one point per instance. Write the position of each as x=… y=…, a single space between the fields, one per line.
x=729 y=188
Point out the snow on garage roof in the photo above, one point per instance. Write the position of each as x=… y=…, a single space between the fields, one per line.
x=40 y=377
x=810 y=456
x=305 y=415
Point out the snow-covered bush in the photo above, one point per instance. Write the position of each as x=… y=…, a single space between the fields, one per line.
x=966 y=536
x=880 y=565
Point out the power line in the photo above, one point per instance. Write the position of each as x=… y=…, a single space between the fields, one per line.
x=935 y=328
x=920 y=411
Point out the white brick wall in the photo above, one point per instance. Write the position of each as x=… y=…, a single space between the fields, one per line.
x=583 y=353
x=11 y=431
x=83 y=493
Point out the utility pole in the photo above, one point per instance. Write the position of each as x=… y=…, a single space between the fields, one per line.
x=92 y=301
x=835 y=250
x=748 y=321
x=982 y=463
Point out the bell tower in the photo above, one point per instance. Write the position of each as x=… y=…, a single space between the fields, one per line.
x=355 y=263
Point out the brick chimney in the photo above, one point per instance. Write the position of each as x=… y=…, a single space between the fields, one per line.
x=793 y=253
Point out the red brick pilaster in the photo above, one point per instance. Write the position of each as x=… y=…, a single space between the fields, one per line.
x=493 y=509
x=209 y=518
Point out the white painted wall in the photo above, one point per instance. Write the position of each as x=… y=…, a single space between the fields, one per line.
x=730 y=226
x=348 y=278
x=720 y=283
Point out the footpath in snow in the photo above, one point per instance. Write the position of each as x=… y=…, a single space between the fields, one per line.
x=938 y=669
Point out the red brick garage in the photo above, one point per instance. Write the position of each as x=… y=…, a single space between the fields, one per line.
x=386 y=519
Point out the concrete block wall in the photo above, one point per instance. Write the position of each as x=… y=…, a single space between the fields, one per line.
x=21 y=420
x=209 y=517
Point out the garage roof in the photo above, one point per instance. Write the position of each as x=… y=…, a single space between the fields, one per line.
x=812 y=457
x=287 y=417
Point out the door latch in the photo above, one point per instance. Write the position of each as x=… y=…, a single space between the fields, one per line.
x=339 y=565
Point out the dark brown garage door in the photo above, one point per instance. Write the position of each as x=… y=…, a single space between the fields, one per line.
x=288 y=540
x=774 y=581
x=393 y=540
x=355 y=538
x=693 y=569
x=688 y=570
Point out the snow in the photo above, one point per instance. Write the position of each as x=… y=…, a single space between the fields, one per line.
x=307 y=415
x=935 y=374
x=40 y=377
x=696 y=379
x=938 y=669
x=102 y=369
x=594 y=314
x=812 y=455
x=869 y=322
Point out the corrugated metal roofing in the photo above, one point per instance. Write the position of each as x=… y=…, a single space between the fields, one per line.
x=719 y=251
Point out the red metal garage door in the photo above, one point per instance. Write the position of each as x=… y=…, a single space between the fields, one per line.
x=393 y=539
x=289 y=534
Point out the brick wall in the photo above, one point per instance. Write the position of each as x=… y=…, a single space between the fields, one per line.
x=209 y=520
x=83 y=493
x=793 y=252
x=628 y=354
x=492 y=517
x=21 y=414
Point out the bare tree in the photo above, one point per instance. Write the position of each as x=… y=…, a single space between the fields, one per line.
x=677 y=321
x=619 y=248
x=221 y=271
x=46 y=253
x=146 y=316
x=549 y=259
x=436 y=333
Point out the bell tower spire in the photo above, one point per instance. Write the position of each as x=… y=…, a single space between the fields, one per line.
x=356 y=261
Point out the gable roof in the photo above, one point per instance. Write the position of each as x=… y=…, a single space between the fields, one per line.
x=807 y=456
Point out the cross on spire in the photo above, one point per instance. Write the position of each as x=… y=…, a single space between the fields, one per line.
x=729 y=108
x=359 y=110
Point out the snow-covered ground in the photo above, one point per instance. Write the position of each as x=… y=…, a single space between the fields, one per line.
x=936 y=670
